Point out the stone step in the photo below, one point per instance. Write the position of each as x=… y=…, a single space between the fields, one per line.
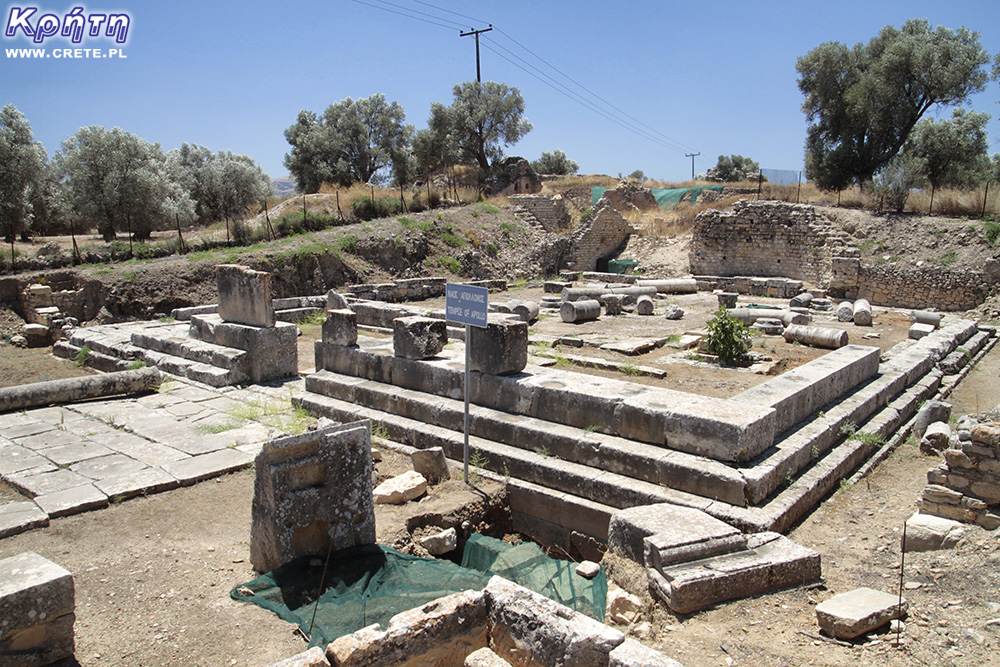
x=111 y=342
x=605 y=488
x=658 y=465
x=174 y=341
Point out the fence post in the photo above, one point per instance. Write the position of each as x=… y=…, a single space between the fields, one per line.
x=985 y=194
x=760 y=181
x=798 y=189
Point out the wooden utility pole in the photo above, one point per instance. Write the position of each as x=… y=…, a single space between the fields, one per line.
x=692 y=156
x=479 y=76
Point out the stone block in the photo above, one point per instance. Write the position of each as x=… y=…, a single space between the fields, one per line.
x=936 y=438
x=441 y=543
x=612 y=305
x=245 y=295
x=340 y=327
x=401 y=488
x=336 y=301
x=273 y=351
x=852 y=614
x=499 y=348
x=662 y=534
x=673 y=312
x=314 y=657
x=19 y=517
x=930 y=412
x=623 y=607
x=418 y=337
x=527 y=628
x=644 y=305
x=631 y=653
x=37 y=603
x=432 y=464
x=484 y=657
x=918 y=330
x=441 y=632
x=311 y=491
x=925 y=532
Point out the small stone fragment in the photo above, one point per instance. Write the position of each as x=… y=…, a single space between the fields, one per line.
x=401 y=488
x=588 y=569
x=440 y=543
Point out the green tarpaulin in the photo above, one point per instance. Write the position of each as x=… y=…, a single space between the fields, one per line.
x=665 y=197
x=372 y=583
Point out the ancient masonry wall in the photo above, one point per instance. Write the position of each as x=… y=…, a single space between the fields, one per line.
x=764 y=238
x=771 y=239
x=601 y=235
x=966 y=485
x=549 y=211
x=906 y=287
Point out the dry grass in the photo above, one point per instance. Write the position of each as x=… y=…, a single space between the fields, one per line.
x=586 y=180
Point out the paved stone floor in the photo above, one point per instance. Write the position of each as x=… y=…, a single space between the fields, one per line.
x=83 y=456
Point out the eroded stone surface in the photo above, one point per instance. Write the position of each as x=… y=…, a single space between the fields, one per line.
x=401 y=488
x=925 y=532
x=37 y=601
x=245 y=295
x=852 y=614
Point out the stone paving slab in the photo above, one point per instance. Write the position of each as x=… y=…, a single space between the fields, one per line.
x=151 y=453
x=45 y=483
x=74 y=452
x=52 y=438
x=18 y=517
x=188 y=411
x=73 y=500
x=108 y=466
x=22 y=429
x=56 y=416
x=854 y=613
x=197 y=468
x=15 y=459
x=129 y=484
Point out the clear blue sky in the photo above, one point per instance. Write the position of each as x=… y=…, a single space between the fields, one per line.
x=715 y=78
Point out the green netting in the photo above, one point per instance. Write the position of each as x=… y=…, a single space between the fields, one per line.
x=665 y=197
x=528 y=566
x=364 y=585
x=372 y=583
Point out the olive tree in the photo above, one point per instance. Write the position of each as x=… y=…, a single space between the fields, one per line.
x=221 y=185
x=733 y=168
x=119 y=182
x=862 y=101
x=555 y=162
x=353 y=141
x=953 y=151
x=23 y=174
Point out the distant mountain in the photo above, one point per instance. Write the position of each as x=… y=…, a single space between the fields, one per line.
x=281 y=187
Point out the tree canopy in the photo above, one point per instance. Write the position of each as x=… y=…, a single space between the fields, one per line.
x=23 y=174
x=482 y=119
x=354 y=141
x=221 y=185
x=120 y=182
x=862 y=102
x=555 y=162
x=953 y=151
x=733 y=168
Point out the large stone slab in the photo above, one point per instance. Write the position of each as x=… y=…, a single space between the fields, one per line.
x=796 y=394
x=75 y=500
x=852 y=614
x=312 y=492
x=18 y=517
x=37 y=601
x=273 y=350
x=245 y=295
x=527 y=628
x=926 y=532
x=771 y=562
x=664 y=534
x=196 y=468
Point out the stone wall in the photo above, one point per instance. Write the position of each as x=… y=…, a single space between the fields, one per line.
x=549 y=211
x=966 y=484
x=922 y=287
x=764 y=238
x=604 y=232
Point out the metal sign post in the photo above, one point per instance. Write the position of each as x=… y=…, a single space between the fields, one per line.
x=468 y=305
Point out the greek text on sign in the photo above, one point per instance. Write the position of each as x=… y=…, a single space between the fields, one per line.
x=466 y=304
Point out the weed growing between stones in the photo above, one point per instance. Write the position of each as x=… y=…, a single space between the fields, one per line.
x=628 y=368
x=728 y=338
x=81 y=357
x=136 y=365
x=313 y=319
x=380 y=431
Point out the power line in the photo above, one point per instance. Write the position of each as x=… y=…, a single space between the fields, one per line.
x=409 y=16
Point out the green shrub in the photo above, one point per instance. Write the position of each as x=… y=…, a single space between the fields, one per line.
x=728 y=337
x=367 y=208
x=348 y=243
x=991 y=228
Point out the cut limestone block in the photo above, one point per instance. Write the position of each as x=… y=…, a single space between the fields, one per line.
x=37 y=605
x=245 y=295
x=431 y=463
x=925 y=532
x=340 y=327
x=312 y=490
x=770 y=562
x=530 y=629
x=499 y=348
x=662 y=534
x=918 y=330
x=418 y=337
x=440 y=543
x=401 y=488
x=857 y=612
